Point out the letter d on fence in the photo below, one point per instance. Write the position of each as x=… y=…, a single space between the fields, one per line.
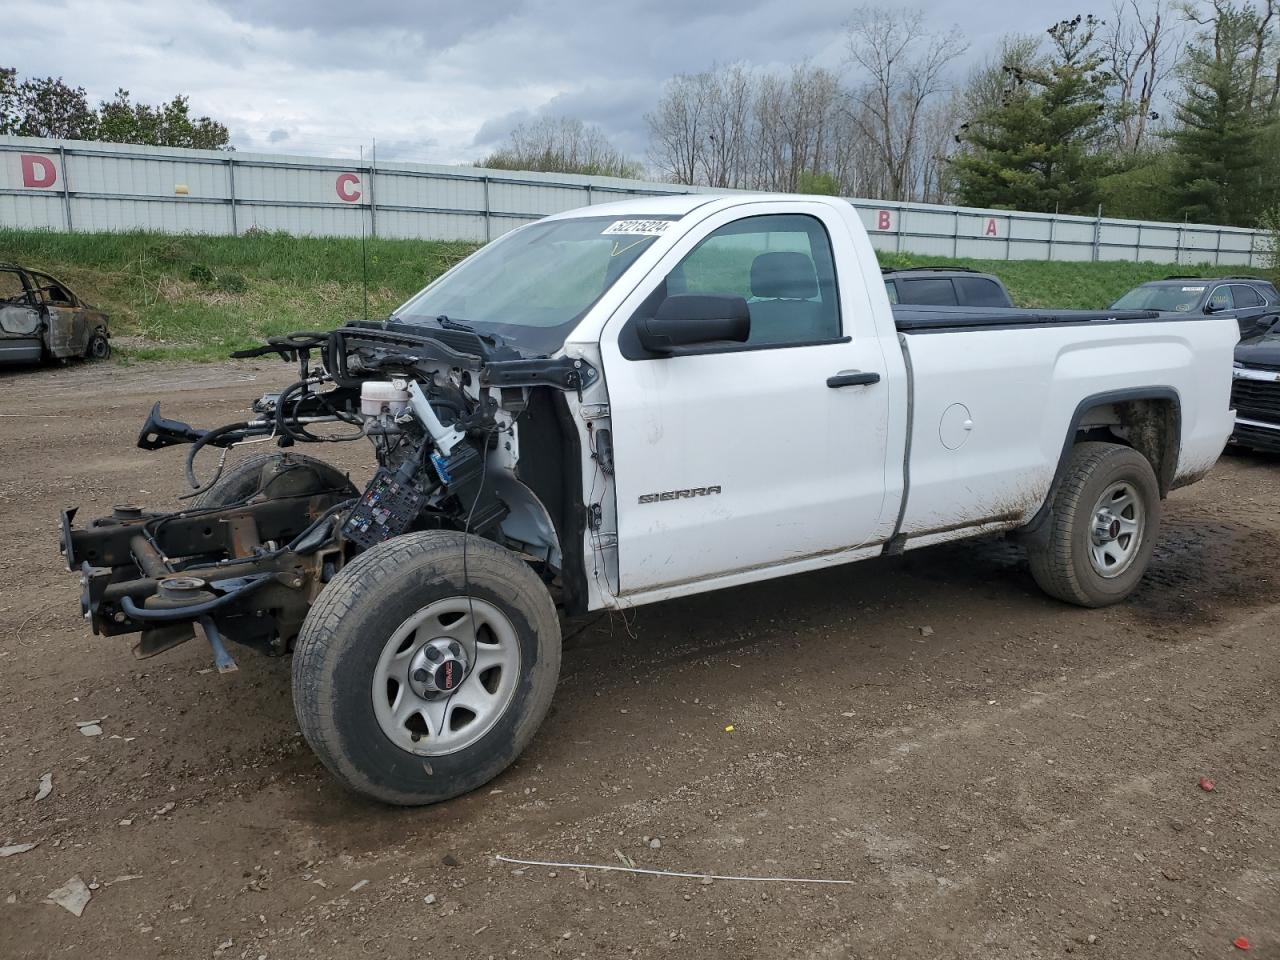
x=37 y=171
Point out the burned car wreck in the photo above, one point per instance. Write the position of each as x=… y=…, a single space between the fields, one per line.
x=40 y=318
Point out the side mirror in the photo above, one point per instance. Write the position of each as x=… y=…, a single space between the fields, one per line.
x=1213 y=308
x=692 y=319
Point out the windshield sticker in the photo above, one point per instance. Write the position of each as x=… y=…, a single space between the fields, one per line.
x=1193 y=289
x=643 y=228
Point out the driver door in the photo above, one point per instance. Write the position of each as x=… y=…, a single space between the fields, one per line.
x=67 y=334
x=738 y=458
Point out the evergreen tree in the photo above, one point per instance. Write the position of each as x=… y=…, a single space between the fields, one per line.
x=1223 y=173
x=1036 y=149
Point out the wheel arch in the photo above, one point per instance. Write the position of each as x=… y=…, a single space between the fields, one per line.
x=1147 y=419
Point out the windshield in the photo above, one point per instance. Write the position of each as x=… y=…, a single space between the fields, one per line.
x=534 y=285
x=1170 y=298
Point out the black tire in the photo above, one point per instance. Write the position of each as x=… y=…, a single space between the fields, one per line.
x=99 y=347
x=242 y=479
x=1062 y=565
x=360 y=610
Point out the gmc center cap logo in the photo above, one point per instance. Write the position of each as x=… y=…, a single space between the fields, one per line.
x=448 y=675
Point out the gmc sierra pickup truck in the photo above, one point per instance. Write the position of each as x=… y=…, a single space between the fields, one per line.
x=623 y=404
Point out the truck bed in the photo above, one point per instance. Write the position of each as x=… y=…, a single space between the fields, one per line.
x=911 y=318
x=989 y=412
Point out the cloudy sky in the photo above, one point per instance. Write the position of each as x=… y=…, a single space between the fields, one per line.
x=438 y=82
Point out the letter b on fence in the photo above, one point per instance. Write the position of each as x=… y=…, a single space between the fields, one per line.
x=884 y=220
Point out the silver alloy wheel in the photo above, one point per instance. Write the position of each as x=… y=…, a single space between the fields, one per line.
x=1118 y=526
x=446 y=676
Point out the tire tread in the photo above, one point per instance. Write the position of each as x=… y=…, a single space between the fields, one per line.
x=1053 y=565
x=329 y=623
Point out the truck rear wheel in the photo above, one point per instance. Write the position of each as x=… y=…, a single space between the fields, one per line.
x=1106 y=514
x=420 y=675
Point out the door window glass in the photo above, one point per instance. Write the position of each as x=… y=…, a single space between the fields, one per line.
x=980 y=292
x=1221 y=299
x=1246 y=296
x=780 y=264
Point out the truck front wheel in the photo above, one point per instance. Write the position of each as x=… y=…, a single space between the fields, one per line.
x=426 y=666
x=1106 y=513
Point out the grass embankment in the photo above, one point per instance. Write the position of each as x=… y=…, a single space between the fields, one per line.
x=198 y=298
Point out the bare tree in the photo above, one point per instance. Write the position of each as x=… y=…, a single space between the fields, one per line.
x=561 y=145
x=937 y=144
x=1264 y=70
x=726 y=96
x=1263 y=61
x=904 y=69
x=1139 y=45
x=676 y=129
x=989 y=82
x=730 y=127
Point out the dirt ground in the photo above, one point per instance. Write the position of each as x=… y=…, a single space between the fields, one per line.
x=1020 y=779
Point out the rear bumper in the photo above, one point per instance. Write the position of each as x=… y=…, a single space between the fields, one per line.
x=1256 y=434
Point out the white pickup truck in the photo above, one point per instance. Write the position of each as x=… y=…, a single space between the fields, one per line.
x=628 y=403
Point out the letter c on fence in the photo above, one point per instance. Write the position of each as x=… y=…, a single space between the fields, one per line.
x=991 y=230
x=38 y=171
x=884 y=220
x=344 y=185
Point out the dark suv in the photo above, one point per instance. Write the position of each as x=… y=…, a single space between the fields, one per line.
x=944 y=287
x=1255 y=391
x=1253 y=301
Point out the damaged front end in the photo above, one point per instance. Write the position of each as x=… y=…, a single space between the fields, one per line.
x=440 y=408
x=248 y=571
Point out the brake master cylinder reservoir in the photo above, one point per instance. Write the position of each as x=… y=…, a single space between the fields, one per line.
x=382 y=396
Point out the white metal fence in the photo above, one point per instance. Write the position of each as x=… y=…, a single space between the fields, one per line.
x=74 y=185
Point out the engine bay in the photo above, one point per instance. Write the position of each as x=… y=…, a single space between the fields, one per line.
x=446 y=412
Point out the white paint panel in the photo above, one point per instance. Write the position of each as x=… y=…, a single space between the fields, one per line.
x=1022 y=386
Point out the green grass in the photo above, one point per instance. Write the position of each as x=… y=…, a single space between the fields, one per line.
x=198 y=298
